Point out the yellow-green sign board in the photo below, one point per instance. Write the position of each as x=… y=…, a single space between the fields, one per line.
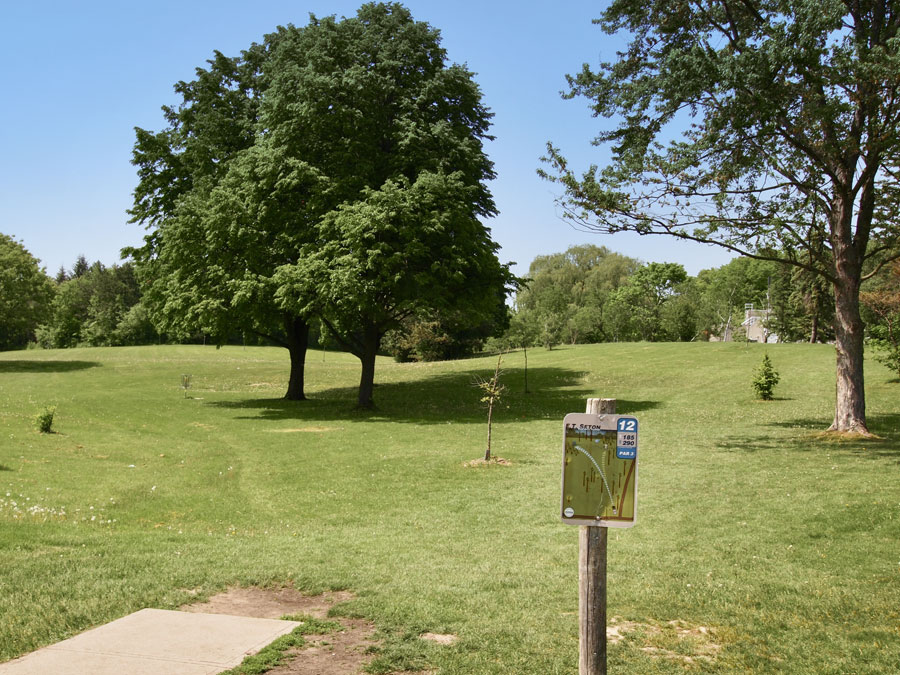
x=599 y=471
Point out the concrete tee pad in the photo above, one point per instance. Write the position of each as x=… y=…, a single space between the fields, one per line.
x=154 y=641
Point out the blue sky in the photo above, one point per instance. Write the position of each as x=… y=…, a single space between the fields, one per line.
x=80 y=76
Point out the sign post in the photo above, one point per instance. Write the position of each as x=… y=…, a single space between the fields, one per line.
x=599 y=490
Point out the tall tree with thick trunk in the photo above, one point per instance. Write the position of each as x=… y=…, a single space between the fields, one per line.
x=400 y=250
x=766 y=127
x=338 y=171
x=395 y=135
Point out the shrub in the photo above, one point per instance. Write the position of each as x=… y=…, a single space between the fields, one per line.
x=765 y=377
x=44 y=419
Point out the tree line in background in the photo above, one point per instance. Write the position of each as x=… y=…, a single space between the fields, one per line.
x=587 y=294
x=90 y=305
x=590 y=294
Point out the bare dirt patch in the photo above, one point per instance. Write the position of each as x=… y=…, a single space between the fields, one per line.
x=338 y=653
x=676 y=640
x=439 y=638
x=341 y=652
x=269 y=603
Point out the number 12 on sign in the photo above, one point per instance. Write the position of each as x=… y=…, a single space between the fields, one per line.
x=626 y=438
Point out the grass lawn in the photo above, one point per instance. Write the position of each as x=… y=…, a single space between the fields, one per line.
x=761 y=545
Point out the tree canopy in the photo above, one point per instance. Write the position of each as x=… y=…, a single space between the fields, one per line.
x=90 y=307
x=335 y=171
x=25 y=294
x=637 y=309
x=567 y=294
x=765 y=127
x=395 y=136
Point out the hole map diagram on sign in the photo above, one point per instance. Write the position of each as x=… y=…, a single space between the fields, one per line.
x=599 y=470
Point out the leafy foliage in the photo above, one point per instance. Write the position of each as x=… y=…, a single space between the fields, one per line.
x=436 y=337
x=566 y=296
x=589 y=294
x=96 y=306
x=636 y=308
x=335 y=171
x=25 y=294
x=376 y=263
x=43 y=421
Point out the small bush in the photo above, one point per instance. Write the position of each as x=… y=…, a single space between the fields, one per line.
x=43 y=421
x=765 y=377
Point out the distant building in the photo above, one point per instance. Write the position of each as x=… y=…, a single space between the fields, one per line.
x=755 y=324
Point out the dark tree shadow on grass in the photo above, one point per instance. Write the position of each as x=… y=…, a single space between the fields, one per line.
x=46 y=366
x=450 y=397
x=810 y=436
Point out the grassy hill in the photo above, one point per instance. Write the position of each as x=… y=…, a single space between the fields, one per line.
x=761 y=544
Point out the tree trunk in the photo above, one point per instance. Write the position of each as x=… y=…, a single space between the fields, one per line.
x=297 y=331
x=850 y=401
x=371 y=340
x=525 y=349
x=487 y=452
x=814 y=331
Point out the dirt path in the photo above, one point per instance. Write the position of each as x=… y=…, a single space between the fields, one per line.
x=339 y=653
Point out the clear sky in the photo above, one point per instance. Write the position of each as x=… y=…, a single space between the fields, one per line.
x=79 y=76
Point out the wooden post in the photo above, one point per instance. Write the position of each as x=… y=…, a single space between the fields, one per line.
x=592 y=580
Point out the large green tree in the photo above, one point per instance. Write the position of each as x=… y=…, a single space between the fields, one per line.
x=25 y=294
x=335 y=171
x=402 y=249
x=225 y=209
x=763 y=126
x=396 y=135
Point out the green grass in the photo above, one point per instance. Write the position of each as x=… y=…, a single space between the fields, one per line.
x=781 y=541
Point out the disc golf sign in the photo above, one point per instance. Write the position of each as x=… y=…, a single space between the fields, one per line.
x=599 y=471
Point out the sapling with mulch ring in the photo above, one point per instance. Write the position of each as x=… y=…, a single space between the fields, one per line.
x=492 y=390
